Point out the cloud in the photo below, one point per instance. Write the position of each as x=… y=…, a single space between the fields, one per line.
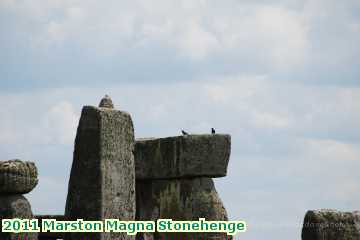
x=184 y=27
x=60 y=123
x=62 y=43
x=85 y=40
x=39 y=119
x=196 y=43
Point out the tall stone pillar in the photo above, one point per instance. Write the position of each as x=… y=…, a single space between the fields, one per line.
x=102 y=179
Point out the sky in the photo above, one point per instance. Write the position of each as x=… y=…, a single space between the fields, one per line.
x=282 y=77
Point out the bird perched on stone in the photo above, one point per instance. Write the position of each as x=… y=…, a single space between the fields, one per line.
x=106 y=102
x=184 y=133
x=212 y=131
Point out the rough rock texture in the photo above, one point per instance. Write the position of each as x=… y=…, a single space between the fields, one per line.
x=17 y=176
x=331 y=225
x=179 y=199
x=102 y=180
x=15 y=206
x=183 y=156
x=106 y=102
x=174 y=181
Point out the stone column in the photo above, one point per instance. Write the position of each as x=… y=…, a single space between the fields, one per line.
x=102 y=179
x=174 y=180
x=331 y=225
x=16 y=178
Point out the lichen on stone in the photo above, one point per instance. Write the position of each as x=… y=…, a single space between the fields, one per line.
x=17 y=176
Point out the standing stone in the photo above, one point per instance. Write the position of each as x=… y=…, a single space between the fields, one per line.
x=16 y=177
x=331 y=225
x=15 y=206
x=102 y=179
x=180 y=199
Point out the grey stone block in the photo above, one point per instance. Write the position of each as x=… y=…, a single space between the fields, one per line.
x=17 y=176
x=183 y=156
x=15 y=206
x=331 y=225
x=102 y=179
x=180 y=199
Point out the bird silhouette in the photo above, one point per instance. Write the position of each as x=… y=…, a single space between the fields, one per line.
x=184 y=133
x=212 y=131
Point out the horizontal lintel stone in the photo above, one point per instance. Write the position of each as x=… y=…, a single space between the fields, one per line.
x=205 y=155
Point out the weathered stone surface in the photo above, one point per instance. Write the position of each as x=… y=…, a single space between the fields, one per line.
x=17 y=176
x=331 y=225
x=102 y=180
x=183 y=156
x=15 y=206
x=106 y=102
x=179 y=199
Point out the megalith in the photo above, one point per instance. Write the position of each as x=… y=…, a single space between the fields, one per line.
x=331 y=225
x=202 y=155
x=16 y=178
x=102 y=178
x=174 y=181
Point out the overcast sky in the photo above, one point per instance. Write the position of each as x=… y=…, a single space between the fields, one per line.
x=282 y=77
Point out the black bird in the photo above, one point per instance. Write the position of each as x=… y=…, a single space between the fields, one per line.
x=184 y=133
x=212 y=131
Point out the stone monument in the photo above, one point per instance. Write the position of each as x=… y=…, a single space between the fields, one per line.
x=102 y=179
x=331 y=225
x=174 y=181
x=16 y=178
